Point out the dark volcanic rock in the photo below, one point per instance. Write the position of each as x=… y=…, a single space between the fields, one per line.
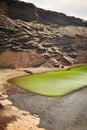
x=29 y=12
x=30 y=29
x=47 y=40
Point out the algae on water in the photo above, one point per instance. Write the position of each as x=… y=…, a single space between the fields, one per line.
x=54 y=84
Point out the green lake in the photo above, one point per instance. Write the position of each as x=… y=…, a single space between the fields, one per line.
x=54 y=84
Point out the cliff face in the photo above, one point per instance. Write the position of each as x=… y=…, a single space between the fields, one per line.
x=29 y=12
x=41 y=42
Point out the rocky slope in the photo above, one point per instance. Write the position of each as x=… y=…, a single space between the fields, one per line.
x=44 y=38
x=28 y=12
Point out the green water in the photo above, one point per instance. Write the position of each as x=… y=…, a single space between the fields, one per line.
x=54 y=84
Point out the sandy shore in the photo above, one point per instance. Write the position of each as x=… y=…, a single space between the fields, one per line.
x=11 y=117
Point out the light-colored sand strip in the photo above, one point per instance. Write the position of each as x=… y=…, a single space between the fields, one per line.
x=12 y=118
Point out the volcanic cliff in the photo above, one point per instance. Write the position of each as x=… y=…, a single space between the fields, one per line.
x=31 y=37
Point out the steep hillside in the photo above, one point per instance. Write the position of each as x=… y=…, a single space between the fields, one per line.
x=44 y=38
x=28 y=12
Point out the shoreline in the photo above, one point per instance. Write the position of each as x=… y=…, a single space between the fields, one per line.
x=11 y=109
x=8 y=110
